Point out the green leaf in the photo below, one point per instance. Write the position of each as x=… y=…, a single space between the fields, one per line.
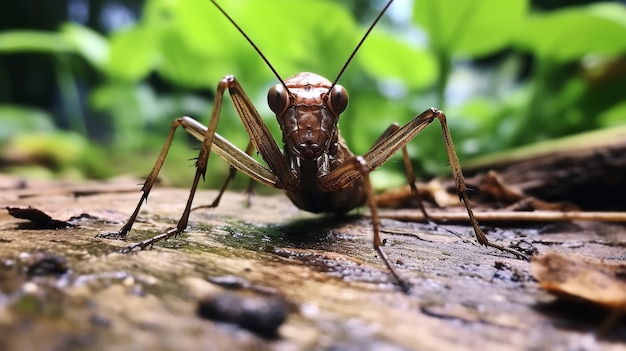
x=177 y=28
x=18 y=119
x=384 y=56
x=67 y=148
x=609 y=10
x=199 y=23
x=90 y=44
x=133 y=53
x=570 y=34
x=470 y=27
x=614 y=116
x=30 y=40
x=184 y=65
x=315 y=42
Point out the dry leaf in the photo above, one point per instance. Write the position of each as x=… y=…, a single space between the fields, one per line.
x=38 y=217
x=574 y=277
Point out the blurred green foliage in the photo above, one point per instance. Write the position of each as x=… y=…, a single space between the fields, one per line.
x=506 y=75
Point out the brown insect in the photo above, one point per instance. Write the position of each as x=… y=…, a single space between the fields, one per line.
x=316 y=169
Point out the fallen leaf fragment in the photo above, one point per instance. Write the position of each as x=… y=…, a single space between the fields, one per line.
x=574 y=277
x=38 y=217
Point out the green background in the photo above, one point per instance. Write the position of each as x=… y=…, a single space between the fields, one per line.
x=88 y=89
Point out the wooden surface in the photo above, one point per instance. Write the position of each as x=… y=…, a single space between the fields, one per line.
x=337 y=293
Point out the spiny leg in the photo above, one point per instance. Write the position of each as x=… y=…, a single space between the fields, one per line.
x=386 y=148
x=353 y=169
x=278 y=175
x=182 y=222
x=462 y=189
x=148 y=184
x=411 y=179
x=231 y=175
x=201 y=166
x=361 y=165
x=408 y=170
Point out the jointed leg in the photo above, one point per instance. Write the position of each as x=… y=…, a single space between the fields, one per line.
x=361 y=165
x=408 y=170
x=387 y=147
x=398 y=139
x=201 y=165
x=231 y=175
x=462 y=189
x=150 y=180
x=277 y=175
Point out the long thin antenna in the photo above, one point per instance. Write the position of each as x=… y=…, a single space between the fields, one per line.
x=358 y=45
x=251 y=43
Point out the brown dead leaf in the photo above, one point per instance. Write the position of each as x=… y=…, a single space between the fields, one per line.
x=488 y=190
x=493 y=185
x=38 y=217
x=574 y=277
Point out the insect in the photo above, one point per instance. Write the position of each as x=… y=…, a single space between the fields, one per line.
x=316 y=169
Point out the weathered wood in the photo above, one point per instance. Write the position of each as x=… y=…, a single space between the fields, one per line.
x=464 y=297
x=588 y=169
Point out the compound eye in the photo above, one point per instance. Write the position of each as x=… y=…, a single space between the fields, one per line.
x=338 y=99
x=278 y=99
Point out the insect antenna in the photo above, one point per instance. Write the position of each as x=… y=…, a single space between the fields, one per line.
x=345 y=65
x=256 y=48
